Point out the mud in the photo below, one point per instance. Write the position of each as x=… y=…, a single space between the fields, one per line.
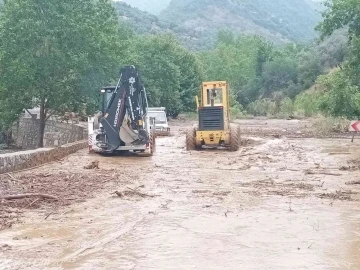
x=281 y=202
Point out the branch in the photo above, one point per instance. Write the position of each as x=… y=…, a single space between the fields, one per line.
x=32 y=116
x=50 y=114
x=28 y=195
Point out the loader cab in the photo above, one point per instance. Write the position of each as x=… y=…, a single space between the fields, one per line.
x=214 y=107
x=214 y=94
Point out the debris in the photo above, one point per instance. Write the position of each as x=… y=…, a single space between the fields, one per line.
x=92 y=165
x=34 y=201
x=345 y=168
x=119 y=194
x=28 y=195
x=11 y=176
x=165 y=206
x=338 y=195
x=49 y=215
x=353 y=183
x=5 y=247
x=132 y=192
x=66 y=212
x=142 y=194
x=141 y=186
x=322 y=172
x=221 y=193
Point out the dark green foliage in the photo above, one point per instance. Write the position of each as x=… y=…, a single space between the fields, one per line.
x=258 y=70
x=170 y=72
x=342 y=98
x=54 y=53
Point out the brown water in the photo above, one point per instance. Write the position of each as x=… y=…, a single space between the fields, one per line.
x=255 y=209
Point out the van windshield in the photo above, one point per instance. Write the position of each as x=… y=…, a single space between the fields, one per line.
x=160 y=117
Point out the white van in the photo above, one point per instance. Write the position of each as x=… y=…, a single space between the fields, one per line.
x=161 y=122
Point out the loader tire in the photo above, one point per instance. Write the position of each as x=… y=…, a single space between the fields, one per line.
x=152 y=142
x=191 y=139
x=235 y=140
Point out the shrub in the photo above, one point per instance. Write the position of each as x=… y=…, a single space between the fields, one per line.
x=331 y=124
x=286 y=108
x=263 y=107
x=308 y=103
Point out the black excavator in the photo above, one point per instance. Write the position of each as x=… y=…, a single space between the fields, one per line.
x=123 y=123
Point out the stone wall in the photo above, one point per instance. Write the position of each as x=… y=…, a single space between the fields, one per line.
x=25 y=133
x=31 y=158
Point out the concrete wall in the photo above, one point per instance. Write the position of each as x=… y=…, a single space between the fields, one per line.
x=31 y=158
x=25 y=133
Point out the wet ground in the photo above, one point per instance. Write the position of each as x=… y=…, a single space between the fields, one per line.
x=281 y=202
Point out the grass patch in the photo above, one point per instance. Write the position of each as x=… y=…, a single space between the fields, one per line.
x=331 y=124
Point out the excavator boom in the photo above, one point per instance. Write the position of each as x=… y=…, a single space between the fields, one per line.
x=124 y=122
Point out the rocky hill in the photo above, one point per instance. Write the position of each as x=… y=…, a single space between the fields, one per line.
x=277 y=20
x=196 y=22
x=151 y=6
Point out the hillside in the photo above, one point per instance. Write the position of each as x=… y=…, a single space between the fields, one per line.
x=142 y=22
x=146 y=23
x=278 y=20
x=151 y=6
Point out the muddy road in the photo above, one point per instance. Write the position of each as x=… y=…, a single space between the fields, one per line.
x=284 y=201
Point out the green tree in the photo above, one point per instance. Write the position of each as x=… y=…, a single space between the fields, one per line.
x=280 y=75
x=54 y=54
x=340 y=14
x=170 y=72
x=342 y=98
x=234 y=60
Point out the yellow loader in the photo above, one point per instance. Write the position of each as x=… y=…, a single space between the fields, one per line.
x=214 y=128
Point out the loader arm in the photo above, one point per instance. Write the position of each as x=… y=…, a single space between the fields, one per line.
x=197 y=103
x=125 y=112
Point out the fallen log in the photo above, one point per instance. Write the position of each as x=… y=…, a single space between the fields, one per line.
x=322 y=172
x=142 y=194
x=28 y=195
x=353 y=183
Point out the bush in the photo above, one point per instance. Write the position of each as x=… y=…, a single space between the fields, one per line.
x=331 y=124
x=286 y=108
x=236 y=113
x=308 y=104
x=263 y=107
x=342 y=98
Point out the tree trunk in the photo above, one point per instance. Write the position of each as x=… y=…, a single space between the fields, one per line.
x=42 y=123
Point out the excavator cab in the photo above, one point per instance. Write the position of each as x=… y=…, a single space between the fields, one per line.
x=105 y=96
x=214 y=128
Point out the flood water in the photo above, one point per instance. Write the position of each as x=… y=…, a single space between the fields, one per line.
x=276 y=204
